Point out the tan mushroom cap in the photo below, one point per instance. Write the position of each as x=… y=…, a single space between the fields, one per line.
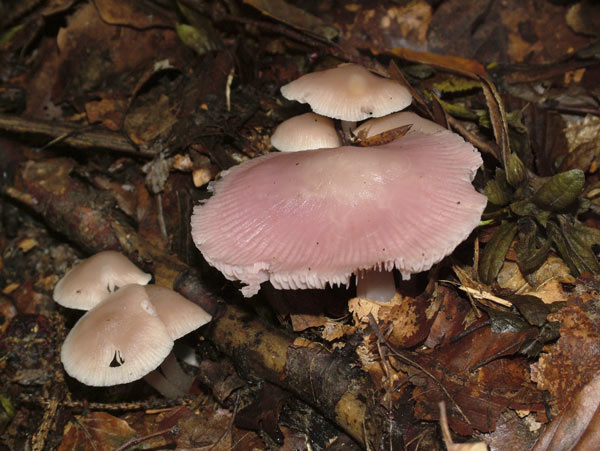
x=380 y=125
x=304 y=132
x=119 y=341
x=179 y=315
x=92 y=280
x=348 y=92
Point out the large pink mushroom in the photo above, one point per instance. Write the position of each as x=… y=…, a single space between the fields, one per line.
x=311 y=218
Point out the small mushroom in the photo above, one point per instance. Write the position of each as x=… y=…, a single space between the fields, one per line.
x=92 y=280
x=129 y=335
x=379 y=125
x=118 y=341
x=311 y=218
x=179 y=315
x=304 y=132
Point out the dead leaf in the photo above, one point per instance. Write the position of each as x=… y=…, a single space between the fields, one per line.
x=403 y=320
x=548 y=279
x=513 y=432
x=263 y=413
x=107 y=61
x=97 y=430
x=134 y=14
x=453 y=317
x=481 y=395
x=578 y=425
x=565 y=367
x=294 y=16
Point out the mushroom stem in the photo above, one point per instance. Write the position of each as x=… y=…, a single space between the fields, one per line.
x=347 y=127
x=162 y=385
x=378 y=286
x=169 y=379
x=174 y=373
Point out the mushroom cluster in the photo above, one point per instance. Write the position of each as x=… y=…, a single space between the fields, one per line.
x=129 y=328
x=324 y=212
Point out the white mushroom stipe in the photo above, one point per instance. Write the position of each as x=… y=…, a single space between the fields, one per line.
x=378 y=286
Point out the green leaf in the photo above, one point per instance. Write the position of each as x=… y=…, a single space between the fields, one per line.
x=454 y=85
x=533 y=309
x=561 y=190
x=532 y=250
x=505 y=322
x=498 y=191
x=195 y=38
x=516 y=173
x=492 y=257
x=528 y=208
x=574 y=242
x=6 y=37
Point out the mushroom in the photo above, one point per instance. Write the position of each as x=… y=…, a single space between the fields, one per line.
x=304 y=132
x=180 y=316
x=88 y=283
x=348 y=92
x=118 y=341
x=379 y=125
x=129 y=335
x=311 y=218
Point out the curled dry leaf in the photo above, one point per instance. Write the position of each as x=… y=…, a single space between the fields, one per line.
x=578 y=425
x=404 y=321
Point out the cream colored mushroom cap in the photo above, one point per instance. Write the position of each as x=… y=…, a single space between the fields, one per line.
x=119 y=341
x=348 y=92
x=179 y=315
x=304 y=132
x=92 y=280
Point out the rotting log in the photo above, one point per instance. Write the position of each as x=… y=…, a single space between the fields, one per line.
x=307 y=369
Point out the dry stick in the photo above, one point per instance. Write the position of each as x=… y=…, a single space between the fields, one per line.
x=397 y=75
x=485 y=146
x=39 y=438
x=70 y=135
x=415 y=364
x=87 y=433
x=137 y=440
x=226 y=431
x=115 y=407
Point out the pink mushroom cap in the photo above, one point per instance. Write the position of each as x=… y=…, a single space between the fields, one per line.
x=311 y=218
